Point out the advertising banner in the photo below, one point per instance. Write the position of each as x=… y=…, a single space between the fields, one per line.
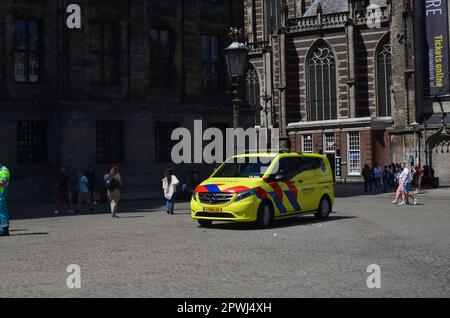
x=436 y=22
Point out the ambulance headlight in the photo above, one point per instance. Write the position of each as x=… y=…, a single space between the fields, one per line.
x=246 y=194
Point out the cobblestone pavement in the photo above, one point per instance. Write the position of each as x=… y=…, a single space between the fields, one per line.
x=147 y=253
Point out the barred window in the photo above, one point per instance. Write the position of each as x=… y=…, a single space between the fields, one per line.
x=161 y=67
x=163 y=140
x=27 y=41
x=32 y=146
x=330 y=143
x=354 y=154
x=307 y=144
x=110 y=142
x=322 y=101
x=105 y=66
x=211 y=70
x=384 y=80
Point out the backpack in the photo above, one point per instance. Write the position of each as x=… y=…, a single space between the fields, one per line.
x=112 y=184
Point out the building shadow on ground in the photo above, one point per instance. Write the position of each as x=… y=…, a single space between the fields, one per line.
x=44 y=211
x=356 y=190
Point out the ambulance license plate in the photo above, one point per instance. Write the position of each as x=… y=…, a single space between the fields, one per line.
x=212 y=210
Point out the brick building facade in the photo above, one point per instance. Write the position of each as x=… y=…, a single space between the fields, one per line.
x=110 y=92
x=344 y=78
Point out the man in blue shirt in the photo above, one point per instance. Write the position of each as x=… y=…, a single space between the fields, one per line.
x=84 y=195
x=4 y=216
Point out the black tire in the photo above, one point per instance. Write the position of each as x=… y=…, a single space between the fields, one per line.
x=325 y=209
x=205 y=223
x=265 y=215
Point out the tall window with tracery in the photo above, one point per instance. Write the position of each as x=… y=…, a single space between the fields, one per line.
x=252 y=91
x=273 y=16
x=321 y=99
x=384 y=80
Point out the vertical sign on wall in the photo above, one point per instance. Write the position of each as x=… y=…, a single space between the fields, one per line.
x=338 y=167
x=436 y=21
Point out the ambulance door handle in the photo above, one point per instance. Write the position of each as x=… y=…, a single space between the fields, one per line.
x=299 y=181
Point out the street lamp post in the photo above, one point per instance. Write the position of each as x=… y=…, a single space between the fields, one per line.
x=415 y=125
x=236 y=59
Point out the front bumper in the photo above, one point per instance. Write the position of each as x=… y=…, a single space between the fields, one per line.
x=243 y=211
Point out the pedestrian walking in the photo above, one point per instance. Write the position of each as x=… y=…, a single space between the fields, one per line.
x=377 y=176
x=415 y=170
x=401 y=179
x=62 y=184
x=405 y=180
x=170 y=183
x=367 y=175
x=114 y=183
x=4 y=184
x=407 y=188
x=84 y=196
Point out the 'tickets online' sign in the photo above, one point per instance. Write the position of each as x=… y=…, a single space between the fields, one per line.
x=438 y=46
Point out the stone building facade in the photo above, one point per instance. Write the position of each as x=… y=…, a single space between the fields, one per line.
x=110 y=92
x=344 y=78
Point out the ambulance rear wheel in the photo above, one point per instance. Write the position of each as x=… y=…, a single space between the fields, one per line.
x=324 y=209
x=205 y=223
x=265 y=215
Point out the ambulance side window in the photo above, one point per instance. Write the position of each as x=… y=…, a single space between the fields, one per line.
x=296 y=166
x=284 y=166
x=307 y=164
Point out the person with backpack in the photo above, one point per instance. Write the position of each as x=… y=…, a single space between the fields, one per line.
x=170 y=183
x=113 y=183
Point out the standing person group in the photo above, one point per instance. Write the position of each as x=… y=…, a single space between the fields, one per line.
x=86 y=188
x=405 y=180
x=4 y=216
x=387 y=178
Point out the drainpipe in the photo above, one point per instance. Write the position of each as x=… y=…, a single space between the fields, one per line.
x=129 y=50
x=183 y=63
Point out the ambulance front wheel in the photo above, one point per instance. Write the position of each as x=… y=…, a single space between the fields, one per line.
x=265 y=215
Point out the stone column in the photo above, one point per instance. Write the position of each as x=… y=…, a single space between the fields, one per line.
x=403 y=100
x=399 y=65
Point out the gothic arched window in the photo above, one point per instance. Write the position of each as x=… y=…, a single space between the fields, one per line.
x=384 y=80
x=252 y=90
x=322 y=101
